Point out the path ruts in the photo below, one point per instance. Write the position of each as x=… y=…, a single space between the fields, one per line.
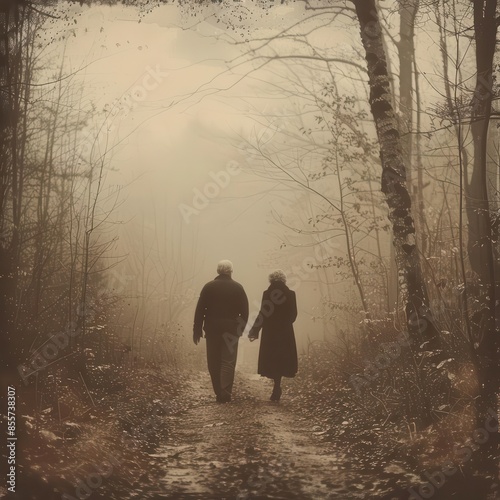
x=247 y=449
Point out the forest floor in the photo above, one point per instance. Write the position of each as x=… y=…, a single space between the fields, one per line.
x=249 y=448
x=163 y=436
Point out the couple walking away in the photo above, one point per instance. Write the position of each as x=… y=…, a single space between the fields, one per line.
x=222 y=312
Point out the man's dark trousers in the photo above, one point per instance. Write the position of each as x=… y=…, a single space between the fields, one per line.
x=222 y=350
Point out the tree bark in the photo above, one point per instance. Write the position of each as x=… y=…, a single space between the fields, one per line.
x=8 y=236
x=480 y=242
x=406 y=54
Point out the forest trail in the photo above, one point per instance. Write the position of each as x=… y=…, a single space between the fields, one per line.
x=249 y=448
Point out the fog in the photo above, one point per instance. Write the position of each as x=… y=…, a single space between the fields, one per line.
x=176 y=128
x=213 y=130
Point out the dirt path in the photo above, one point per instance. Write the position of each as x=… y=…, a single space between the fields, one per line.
x=249 y=448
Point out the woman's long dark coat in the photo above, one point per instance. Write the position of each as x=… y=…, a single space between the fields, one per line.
x=278 y=350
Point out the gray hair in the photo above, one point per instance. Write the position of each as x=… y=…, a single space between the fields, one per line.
x=277 y=275
x=225 y=267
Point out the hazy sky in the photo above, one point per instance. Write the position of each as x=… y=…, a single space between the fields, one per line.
x=168 y=152
x=174 y=116
x=164 y=152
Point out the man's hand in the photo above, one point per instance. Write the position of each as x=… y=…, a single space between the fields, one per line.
x=253 y=336
x=196 y=337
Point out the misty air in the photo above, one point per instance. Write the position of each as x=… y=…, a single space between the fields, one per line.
x=249 y=249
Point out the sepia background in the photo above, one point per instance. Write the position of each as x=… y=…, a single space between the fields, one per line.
x=354 y=145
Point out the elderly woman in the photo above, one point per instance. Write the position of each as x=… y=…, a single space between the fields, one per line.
x=278 y=351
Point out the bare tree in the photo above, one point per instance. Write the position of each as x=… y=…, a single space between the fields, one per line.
x=480 y=241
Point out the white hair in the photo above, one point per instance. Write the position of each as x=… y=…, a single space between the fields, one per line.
x=225 y=267
x=277 y=275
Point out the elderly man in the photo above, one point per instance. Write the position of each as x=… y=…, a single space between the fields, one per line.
x=222 y=311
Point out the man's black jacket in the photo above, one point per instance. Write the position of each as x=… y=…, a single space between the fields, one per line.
x=222 y=307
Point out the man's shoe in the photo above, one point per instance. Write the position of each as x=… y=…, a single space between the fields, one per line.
x=225 y=397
